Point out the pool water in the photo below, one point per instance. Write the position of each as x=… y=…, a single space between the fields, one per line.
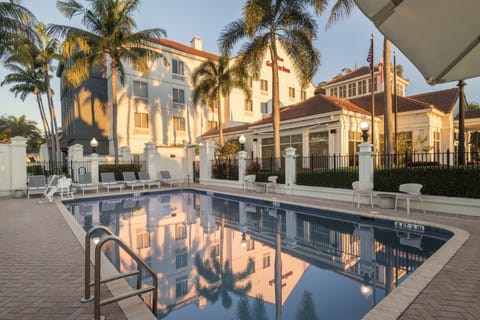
x=223 y=257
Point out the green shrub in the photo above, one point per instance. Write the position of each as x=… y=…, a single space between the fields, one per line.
x=331 y=178
x=440 y=181
x=118 y=170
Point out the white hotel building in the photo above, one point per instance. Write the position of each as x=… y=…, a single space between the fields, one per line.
x=158 y=107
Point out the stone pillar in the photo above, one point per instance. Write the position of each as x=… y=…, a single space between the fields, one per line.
x=365 y=162
x=125 y=154
x=290 y=168
x=207 y=154
x=94 y=168
x=149 y=154
x=76 y=159
x=242 y=165
x=18 y=163
x=43 y=152
x=188 y=158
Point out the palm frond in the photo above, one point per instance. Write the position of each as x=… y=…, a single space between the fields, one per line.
x=341 y=9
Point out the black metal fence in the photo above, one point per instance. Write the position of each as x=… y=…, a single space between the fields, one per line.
x=425 y=159
x=225 y=169
x=335 y=171
x=48 y=168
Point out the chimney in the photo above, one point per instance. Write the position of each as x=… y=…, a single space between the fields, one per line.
x=196 y=43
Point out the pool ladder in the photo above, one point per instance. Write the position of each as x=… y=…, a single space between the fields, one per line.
x=97 y=276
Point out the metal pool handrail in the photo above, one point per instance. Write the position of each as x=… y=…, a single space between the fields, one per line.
x=97 y=276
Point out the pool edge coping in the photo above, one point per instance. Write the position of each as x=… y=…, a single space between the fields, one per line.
x=391 y=307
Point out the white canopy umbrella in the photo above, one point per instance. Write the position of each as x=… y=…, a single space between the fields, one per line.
x=440 y=37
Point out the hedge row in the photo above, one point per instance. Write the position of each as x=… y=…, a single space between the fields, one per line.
x=440 y=181
x=120 y=168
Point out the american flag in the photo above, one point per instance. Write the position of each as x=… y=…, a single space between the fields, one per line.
x=369 y=57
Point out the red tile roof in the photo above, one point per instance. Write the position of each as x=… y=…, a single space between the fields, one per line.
x=315 y=105
x=351 y=75
x=184 y=48
x=470 y=114
x=214 y=132
x=443 y=100
x=404 y=104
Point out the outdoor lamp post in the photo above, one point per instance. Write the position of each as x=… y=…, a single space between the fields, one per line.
x=243 y=242
x=364 y=126
x=242 y=141
x=94 y=145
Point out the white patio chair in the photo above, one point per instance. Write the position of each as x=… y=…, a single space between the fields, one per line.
x=63 y=187
x=37 y=184
x=85 y=183
x=144 y=177
x=249 y=182
x=166 y=178
x=362 y=189
x=109 y=181
x=409 y=191
x=131 y=181
x=271 y=184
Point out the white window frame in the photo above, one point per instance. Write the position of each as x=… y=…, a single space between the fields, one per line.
x=138 y=89
x=178 y=67
x=178 y=96
x=179 y=123
x=141 y=118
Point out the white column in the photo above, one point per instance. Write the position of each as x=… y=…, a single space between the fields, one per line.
x=18 y=168
x=75 y=157
x=290 y=168
x=125 y=154
x=188 y=157
x=43 y=152
x=207 y=154
x=149 y=155
x=365 y=162
x=94 y=168
x=242 y=165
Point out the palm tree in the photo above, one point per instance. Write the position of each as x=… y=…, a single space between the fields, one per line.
x=109 y=34
x=266 y=24
x=15 y=21
x=342 y=9
x=213 y=80
x=29 y=61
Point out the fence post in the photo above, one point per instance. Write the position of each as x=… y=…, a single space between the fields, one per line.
x=75 y=155
x=365 y=162
x=207 y=154
x=242 y=165
x=18 y=166
x=94 y=167
x=149 y=156
x=290 y=168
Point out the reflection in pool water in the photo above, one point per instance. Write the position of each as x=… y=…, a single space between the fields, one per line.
x=222 y=257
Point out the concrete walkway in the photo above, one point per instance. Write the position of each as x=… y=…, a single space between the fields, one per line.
x=41 y=266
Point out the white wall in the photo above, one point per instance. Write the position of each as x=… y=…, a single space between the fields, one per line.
x=13 y=171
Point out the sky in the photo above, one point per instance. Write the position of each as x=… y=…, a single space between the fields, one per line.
x=346 y=44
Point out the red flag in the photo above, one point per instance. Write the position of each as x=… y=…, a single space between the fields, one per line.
x=380 y=68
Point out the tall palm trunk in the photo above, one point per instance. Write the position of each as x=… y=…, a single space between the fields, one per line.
x=278 y=268
x=114 y=110
x=48 y=136
x=220 y=122
x=53 y=120
x=275 y=106
x=387 y=114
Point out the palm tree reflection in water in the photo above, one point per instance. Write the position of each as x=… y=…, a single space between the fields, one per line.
x=220 y=280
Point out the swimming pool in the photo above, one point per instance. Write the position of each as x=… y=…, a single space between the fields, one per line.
x=217 y=256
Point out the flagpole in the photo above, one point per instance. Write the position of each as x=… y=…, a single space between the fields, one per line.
x=372 y=89
x=395 y=99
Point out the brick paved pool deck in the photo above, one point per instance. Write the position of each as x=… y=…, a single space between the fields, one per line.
x=41 y=266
